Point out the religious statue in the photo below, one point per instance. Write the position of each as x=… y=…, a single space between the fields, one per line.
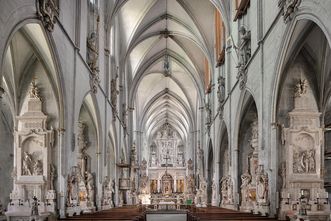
x=82 y=143
x=120 y=199
x=92 y=51
x=27 y=163
x=111 y=192
x=105 y=188
x=153 y=160
x=197 y=199
x=262 y=185
x=124 y=116
x=255 y=130
x=282 y=174
x=301 y=88
x=190 y=165
x=180 y=160
x=37 y=168
x=288 y=7
x=72 y=189
x=226 y=190
x=34 y=207
x=90 y=187
x=114 y=94
x=243 y=53
x=167 y=184
x=246 y=179
x=143 y=184
x=34 y=91
x=220 y=89
x=244 y=48
x=52 y=175
x=230 y=191
x=48 y=11
x=214 y=191
x=208 y=116
x=200 y=161
x=153 y=186
x=180 y=187
x=190 y=184
x=220 y=95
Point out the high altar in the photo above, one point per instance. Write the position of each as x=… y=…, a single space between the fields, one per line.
x=165 y=179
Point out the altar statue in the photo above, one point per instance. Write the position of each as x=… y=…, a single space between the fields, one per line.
x=167 y=183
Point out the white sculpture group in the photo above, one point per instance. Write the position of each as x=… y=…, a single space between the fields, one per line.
x=80 y=182
x=226 y=191
x=108 y=190
x=31 y=166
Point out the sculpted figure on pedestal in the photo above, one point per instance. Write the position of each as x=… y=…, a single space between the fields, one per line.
x=92 y=51
x=37 y=168
x=262 y=182
x=243 y=53
x=288 y=8
x=214 y=191
x=27 y=164
x=52 y=175
x=90 y=187
x=282 y=174
x=48 y=11
x=226 y=190
x=34 y=207
x=105 y=188
x=301 y=88
x=114 y=94
x=230 y=190
x=246 y=179
x=244 y=48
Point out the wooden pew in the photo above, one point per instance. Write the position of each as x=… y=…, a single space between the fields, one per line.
x=123 y=214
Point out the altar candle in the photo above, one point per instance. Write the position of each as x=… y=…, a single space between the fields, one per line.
x=288 y=196
x=318 y=195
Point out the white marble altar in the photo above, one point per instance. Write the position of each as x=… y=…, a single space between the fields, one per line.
x=302 y=166
x=33 y=172
x=80 y=181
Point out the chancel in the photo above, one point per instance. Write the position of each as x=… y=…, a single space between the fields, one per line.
x=165 y=110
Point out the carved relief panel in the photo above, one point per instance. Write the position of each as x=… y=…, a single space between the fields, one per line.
x=304 y=153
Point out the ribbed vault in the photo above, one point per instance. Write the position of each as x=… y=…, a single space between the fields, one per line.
x=165 y=47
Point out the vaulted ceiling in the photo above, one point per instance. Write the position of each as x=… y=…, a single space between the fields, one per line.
x=27 y=49
x=164 y=45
